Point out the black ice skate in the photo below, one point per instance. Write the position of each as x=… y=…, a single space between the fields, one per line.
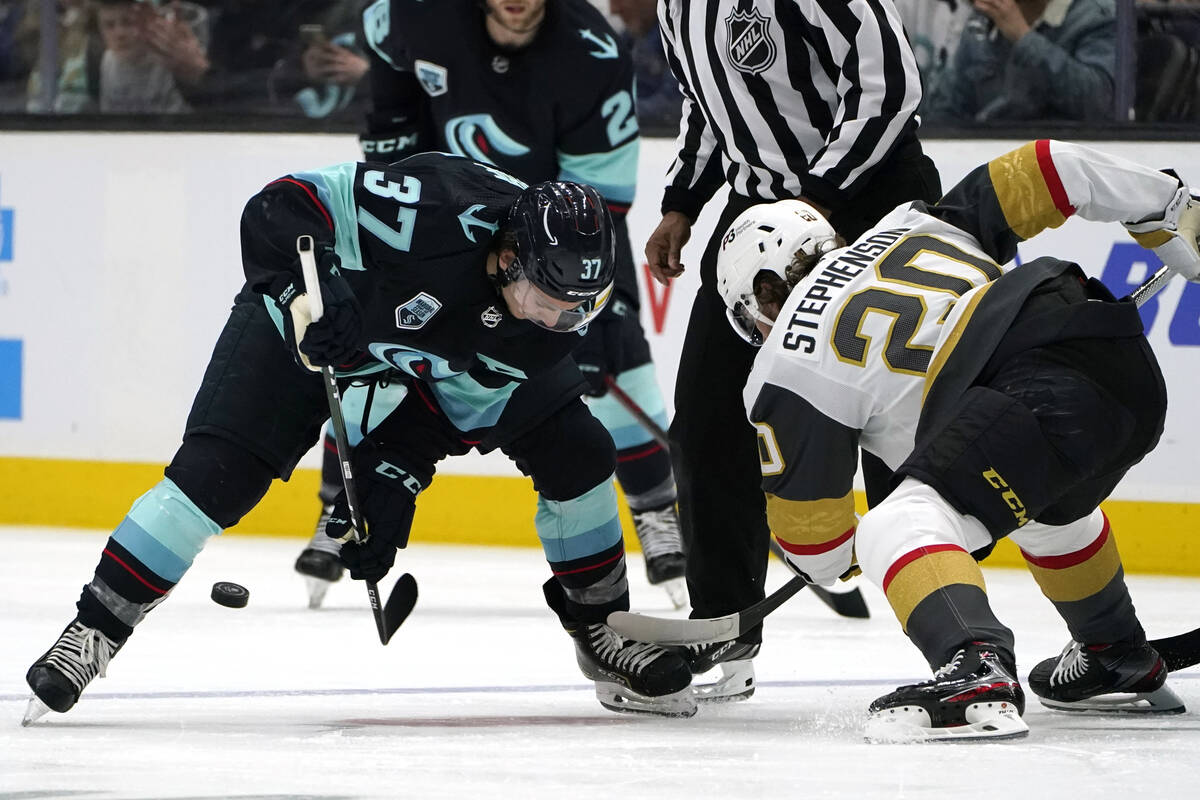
x=1113 y=678
x=974 y=696
x=64 y=671
x=630 y=676
x=662 y=547
x=737 y=669
x=633 y=676
x=319 y=562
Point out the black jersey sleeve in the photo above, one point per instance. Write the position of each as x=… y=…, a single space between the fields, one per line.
x=598 y=135
x=398 y=123
x=805 y=455
x=808 y=465
x=271 y=222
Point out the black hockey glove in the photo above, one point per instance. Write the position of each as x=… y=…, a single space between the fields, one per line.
x=601 y=353
x=332 y=340
x=389 y=137
x=387 y=494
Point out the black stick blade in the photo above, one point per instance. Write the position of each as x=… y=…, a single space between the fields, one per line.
x=848 y=604
x=1179 y=652
x=400 y=604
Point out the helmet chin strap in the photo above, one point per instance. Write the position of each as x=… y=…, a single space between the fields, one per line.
x=504 y=276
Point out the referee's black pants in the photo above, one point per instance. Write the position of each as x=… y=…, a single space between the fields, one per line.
x=714 y=448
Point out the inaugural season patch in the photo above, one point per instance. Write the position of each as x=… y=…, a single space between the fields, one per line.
x=416 y=312
x=751 y=49
x=431 y=76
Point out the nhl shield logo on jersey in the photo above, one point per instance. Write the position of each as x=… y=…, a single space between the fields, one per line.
x=491 y=317
x=416 y=312
x=432 y=77
x=751 y=49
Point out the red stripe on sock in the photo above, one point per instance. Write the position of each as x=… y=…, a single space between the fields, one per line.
x=604 y=563
x=908 y=558
x=1053 y=182
x=131 y=571
x=653 y=448
x=1070 y=559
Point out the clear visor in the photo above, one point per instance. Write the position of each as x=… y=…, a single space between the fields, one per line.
x=541 y=309
x=743 y=318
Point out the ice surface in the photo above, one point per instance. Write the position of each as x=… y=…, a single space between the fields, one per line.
x=478 y=696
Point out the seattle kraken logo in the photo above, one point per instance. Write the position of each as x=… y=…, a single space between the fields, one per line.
x=477 y=136
x=751 y=49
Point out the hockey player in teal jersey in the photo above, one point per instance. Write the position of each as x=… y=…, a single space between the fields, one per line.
x=544 y=90
x=1009 y=401
x=453 y=295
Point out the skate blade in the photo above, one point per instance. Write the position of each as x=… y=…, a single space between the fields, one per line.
x=996 y=721
x=736 y=683
x=676 y=589
x=316 y=590
x=1161 y=701
x=34 y=711
x=621 y=699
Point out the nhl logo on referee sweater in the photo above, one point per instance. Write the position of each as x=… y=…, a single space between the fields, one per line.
x=416 y=312
x=750 y=47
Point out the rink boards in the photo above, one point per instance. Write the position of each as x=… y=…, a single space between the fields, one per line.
x=119 y=258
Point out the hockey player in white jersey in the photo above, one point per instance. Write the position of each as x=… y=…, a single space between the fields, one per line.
x=1008 y=402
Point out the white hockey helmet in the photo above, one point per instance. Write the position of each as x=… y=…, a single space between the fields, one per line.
x=765 y=237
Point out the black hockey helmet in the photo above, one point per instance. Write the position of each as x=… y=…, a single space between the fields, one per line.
x=565 y=247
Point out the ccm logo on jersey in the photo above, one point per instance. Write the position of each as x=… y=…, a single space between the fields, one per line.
x=1007 y=495
x=416 y=312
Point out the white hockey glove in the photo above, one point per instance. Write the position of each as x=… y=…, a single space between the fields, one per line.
x=1175 y=238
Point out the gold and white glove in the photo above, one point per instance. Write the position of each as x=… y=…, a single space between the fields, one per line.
x=1175 y=237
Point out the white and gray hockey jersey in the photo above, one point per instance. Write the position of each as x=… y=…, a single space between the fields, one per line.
x=863 y=336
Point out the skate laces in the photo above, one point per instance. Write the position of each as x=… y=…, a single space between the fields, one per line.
x=950 y=666
x=631 y=655
x=658 y=532
x=1071 y=666
x=82 y=653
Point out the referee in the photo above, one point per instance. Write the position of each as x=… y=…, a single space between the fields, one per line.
x=810 y=99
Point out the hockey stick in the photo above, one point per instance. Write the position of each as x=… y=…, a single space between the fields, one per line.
x=630 y=405
x=848 y=604
x=1178 y=651
x=403 y=598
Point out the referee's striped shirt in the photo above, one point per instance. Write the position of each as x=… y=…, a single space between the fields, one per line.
x=784 y=98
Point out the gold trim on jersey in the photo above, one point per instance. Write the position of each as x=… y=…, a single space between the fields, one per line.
x=810 y=524
x=923 y=576
x=770 y=457
x=1022 y=192
x=952 y=339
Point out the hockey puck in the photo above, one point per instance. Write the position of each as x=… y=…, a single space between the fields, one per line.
x=231 y=595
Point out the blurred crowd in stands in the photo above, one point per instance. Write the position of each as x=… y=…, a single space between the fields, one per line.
x=983 y=62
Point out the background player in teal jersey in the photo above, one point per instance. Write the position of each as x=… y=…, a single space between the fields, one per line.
x=543 y=89
x=454 y=294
